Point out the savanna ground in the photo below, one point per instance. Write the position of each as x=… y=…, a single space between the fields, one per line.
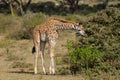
x=16 y=59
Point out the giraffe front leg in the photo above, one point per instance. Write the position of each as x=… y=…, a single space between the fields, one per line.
x=43 y=65
x=52 y=65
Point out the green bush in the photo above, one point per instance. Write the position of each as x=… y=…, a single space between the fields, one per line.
x=84 y=57
x=103 y=30
x=107 y=16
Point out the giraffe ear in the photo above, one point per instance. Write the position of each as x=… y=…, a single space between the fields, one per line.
x=80 y=23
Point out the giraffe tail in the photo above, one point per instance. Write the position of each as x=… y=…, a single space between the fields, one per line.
x=33 y=50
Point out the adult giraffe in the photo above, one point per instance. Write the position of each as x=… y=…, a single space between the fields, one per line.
x=47 y=32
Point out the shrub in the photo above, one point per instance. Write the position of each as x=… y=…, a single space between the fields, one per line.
x=107 y=16
x=29 y=21
x=84 y=57
x=103 y=35
x=103 y=32
x=9 y=23
x=22 y=33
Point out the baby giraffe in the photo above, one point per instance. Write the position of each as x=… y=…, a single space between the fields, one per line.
x=47 y=32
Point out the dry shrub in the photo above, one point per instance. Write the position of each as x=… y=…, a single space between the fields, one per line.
x=20 y=27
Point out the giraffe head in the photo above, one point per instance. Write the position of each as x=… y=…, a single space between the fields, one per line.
x=79 y=29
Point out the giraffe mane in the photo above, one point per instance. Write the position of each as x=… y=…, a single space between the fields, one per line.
x=62 y=20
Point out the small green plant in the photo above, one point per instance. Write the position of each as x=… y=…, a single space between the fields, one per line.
x=58 y=60
x=63 y=70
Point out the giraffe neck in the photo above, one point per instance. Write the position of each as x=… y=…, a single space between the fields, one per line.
x=65 y=26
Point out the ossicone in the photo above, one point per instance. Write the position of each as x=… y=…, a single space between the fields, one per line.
x=78 y=24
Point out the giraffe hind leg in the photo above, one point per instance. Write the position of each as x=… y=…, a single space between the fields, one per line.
x=36 y=59
x=36 y=41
